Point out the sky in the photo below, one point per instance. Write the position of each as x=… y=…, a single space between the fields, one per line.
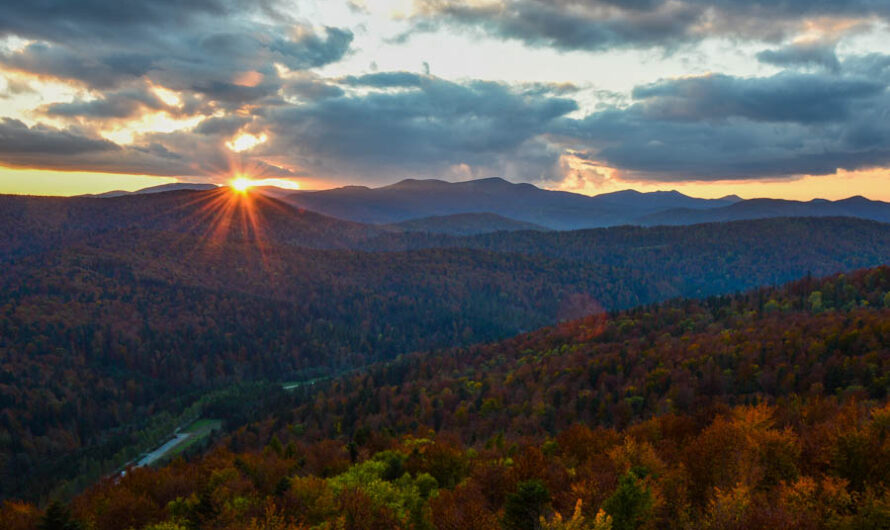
x=759 y=98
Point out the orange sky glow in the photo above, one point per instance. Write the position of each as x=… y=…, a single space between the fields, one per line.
x=874 y=184
x=371 y=96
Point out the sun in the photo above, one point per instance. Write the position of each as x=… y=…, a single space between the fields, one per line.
x=241 y=185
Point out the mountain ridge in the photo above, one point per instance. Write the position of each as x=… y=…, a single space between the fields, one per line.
x=465 y=224
x=558 y=210
x=162 y=188
x=561 y=210
x=420 y=200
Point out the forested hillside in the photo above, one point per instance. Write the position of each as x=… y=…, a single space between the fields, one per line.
x=763 y=410
x=704 y=259
x=116 y=320
x=465 y=224
x=38 y=224
x=98 y=337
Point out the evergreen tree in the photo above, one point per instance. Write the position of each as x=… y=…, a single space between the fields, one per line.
x=524 y=508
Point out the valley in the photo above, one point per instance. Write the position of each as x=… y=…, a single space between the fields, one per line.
x=141 y=323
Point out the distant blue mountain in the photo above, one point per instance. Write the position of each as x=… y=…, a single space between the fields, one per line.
x=176 y=186
x=763 y=208
x=559 y=210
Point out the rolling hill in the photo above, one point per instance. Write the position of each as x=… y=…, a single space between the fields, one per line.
x=37 y=224
x=764 y=208
x=119 y=314
x=761 y=410
x=414 y=199
x=466 y=224
x=178 y=186
x=558 y=210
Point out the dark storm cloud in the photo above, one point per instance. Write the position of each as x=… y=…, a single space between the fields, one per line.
x=785 y=97
x=309 y=87
x=112 y=105
x=72 y=149
x=60 y=62
x=872 y=65
x=225 y=126
x=199 y=46
x=220 y=57
x=720 y=127
x=605 y=24
x=16 y=137
x=816 y=54
x=162 y=154
x=423 y=129
x=385 y=80
x=597 y=26
x=121 y=21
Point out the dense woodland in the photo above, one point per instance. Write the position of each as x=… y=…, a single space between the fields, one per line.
x=122 y=318
x=699 y=260
x=762 y=410
x=98 y=337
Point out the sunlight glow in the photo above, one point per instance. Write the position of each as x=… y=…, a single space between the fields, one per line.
x=170 y=97
x=241 y=185
x=278 y=183
x=245 y=141
x=151 y=122
x=234 y=215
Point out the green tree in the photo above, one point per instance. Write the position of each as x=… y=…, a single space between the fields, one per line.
x=815 y=301
x=524 y=508
x=58 y=517
x=631 y=504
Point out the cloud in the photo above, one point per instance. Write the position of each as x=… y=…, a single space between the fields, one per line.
x=250 y=67
x=112 y=105
x=19 y=138
x=15 y=87
x=786 y=97
x=44 y=59
x=385 y=80
x=598 y=25
x=45 y=147
x=581 y=25
x=723 y=127
x=705 y=128
x=162 y=154
x=223 y=126
x=309 y=87
x=429 y=127
x=806 y=54
x=872 y=65
x=207 y=47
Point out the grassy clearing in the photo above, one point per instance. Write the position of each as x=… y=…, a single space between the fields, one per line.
x=202 y=425
x=290 y=385
x=197 y=431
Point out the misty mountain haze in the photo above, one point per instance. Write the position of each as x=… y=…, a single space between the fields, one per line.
x=560 y=210
x=495 y=204
x=176 y=186
x=557 y=210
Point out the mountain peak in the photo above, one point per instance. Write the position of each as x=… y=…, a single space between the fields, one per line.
x=414 y=184
x=635 y=194
x=487 y=180
x=176 y=186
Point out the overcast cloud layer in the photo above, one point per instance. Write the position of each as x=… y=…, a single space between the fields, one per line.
x=244 y=84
